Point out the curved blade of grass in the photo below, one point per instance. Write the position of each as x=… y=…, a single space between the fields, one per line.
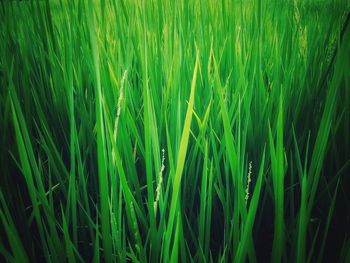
x=181 y=159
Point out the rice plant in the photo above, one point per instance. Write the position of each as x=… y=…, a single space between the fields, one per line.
x=175 y=131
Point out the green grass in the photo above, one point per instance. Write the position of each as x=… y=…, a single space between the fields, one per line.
x=174 y=131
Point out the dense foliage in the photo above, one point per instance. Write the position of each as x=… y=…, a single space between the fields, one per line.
x=160 y=131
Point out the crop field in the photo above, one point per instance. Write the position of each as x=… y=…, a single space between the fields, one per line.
x=175 y=131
